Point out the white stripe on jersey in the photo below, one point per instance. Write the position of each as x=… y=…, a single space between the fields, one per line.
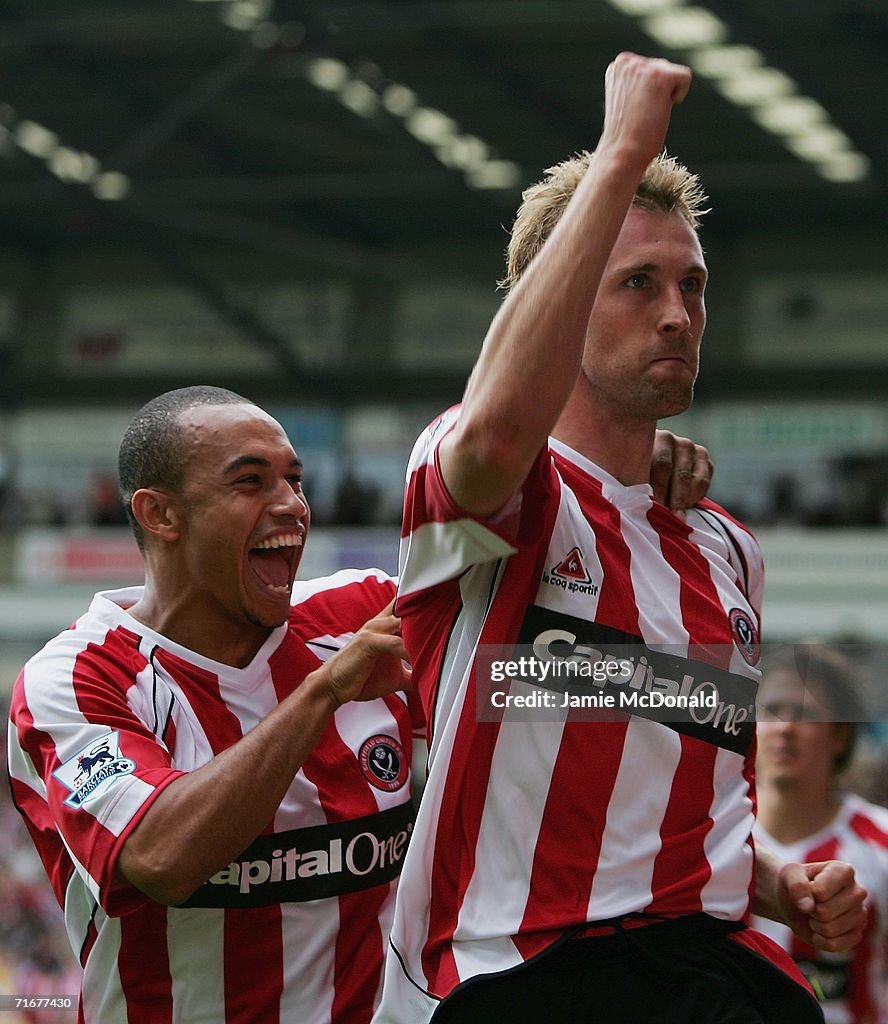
x=103 y=998
x=196 y=937
x=351 y=725
x=729 y=854
x=631 y=839
x=564 y=539
x=656 y=584
x=476 y=588
x=308 y=994
x=520 y=775
x=324 y=647
x=486 y=956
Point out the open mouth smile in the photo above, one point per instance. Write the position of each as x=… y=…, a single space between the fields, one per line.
x=274 y=560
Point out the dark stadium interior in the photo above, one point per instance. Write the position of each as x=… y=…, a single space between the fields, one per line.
x=207 y=108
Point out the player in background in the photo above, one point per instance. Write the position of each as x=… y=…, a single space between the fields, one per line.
x=809 y=714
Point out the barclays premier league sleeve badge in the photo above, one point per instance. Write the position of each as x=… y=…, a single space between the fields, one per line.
x=93 y=768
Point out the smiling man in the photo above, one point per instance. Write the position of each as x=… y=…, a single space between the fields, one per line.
x=220 y=806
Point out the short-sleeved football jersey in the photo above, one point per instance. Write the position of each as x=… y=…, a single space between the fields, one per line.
x=109 y=713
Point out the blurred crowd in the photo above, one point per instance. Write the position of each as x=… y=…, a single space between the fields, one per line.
x=35 y=958
x=850 y=491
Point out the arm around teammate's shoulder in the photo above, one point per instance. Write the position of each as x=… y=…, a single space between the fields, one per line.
x=207 y=817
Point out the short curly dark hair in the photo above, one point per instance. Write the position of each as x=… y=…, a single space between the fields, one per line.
x=152 y=452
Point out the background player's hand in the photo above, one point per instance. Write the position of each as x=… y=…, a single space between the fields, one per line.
x=639 y=95
x=372 y=663
x=823 y=903
x=681 y=471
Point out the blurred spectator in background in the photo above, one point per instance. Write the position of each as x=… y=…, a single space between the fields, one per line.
x=809 y=715
x=105 y=506
x=357 y=500
x=34 y=954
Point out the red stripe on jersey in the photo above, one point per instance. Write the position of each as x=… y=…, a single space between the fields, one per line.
x=352 y=604
x=143 y=966
x=405 y=716
x=426 y=623
x=289 y=665
x=683 y=833
x=587 y=766
x=40 y=824
x=860 y=996
x=826 y=851
x=465 y=790
x=867 y=829
x=702 y=613
x=221 y=726
x=426 y=499
x=462 y=806
x=254 y=962
x=333 y=769
x=359 y=952
x=617 y=603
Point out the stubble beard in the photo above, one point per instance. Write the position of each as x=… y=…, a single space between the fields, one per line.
x=648 y=401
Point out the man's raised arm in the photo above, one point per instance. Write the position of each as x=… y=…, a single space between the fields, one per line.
x=532 y=352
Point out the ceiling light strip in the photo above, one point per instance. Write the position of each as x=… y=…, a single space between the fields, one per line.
x=770 y=97
x=453 y=147
x=456 y=149
x=71 y=166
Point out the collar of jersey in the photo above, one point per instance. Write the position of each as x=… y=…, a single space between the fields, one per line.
x=800 y=849
x=623 y=496
x=111 y=607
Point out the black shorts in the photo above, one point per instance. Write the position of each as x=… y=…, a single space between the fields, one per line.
x=682 y=971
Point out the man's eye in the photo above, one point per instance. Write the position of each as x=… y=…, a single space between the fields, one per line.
x=251 y=479
x=692 y=284
x=295 y=482
x=637 y=281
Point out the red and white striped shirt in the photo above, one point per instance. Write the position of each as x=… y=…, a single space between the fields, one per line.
x=529 y=828
x=110 y=712
x=852 y=982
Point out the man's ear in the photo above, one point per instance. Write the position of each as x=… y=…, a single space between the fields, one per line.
x=157 y=512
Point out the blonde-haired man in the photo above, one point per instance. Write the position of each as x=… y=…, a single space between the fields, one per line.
x=560 y=868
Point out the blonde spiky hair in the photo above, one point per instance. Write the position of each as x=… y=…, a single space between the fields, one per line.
x=667 y=185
